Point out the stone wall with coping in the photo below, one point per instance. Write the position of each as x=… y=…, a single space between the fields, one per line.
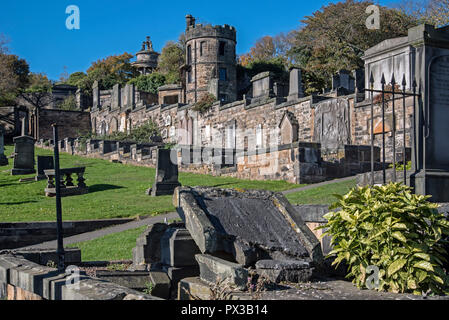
x=22 y=279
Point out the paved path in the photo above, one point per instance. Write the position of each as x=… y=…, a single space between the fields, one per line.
x=103 y=232
x=320 y=184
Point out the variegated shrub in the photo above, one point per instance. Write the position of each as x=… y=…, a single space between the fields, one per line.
x=399 y=232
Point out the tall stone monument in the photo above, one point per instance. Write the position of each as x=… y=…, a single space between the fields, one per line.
x=431 y=147
x=3 y=159
x=166 y=175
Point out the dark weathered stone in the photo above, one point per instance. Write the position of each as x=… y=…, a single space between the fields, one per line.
x=137 y=280
x=166 y=179
x=214 y=270
x=23 y=156
x=161 y=284
x=148 y=245
x=250 y=225
x=44 y=163
x=177 y=273
x=3 y=159
x=290 y=271
x=178 y=249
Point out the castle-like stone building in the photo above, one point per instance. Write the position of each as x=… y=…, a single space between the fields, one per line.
x=273 y=130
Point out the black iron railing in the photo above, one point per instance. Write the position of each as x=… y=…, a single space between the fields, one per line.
x=403 y=93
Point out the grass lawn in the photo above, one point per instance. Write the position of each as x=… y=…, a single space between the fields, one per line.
x=100 y=249
x=115 y=191
x=321 y=195
x=116 y=246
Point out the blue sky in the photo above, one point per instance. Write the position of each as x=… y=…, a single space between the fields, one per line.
x=37 y=31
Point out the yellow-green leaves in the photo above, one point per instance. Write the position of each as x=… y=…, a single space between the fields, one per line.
x=425 y=265
x=396 y=266
x=399 y=236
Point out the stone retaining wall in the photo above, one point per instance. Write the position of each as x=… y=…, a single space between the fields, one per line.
x=22 y=279
x=21 y=234
x=298 y=162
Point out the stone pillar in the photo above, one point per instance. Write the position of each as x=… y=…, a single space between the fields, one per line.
x=295 y=86
x=116 y=96
x=96 y=95
x=3 y=159
x=431 y=146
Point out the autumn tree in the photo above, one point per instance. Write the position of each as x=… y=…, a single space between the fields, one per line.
x=110 y=71
x=335 y=37
x=265 y=49
x=170 y=60
x=434 y=12
x=14 y=75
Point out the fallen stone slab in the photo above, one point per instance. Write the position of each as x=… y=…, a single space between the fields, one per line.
x=251 y=225
x=214 y=270
x=280 y=271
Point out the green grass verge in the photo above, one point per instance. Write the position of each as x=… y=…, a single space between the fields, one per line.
x=321 y=195
x=115 y=191
x=116 y=246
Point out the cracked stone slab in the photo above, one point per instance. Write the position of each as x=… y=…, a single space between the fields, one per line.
x=250 y=225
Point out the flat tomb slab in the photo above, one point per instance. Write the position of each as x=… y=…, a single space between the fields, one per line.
x=249 y=225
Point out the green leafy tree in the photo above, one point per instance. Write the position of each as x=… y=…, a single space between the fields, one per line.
x=14 y=75
x=110 y=71
x=38 y=94
x=149 y=83
x=69 y=103
x=79 y=79
x=335 y=37
x=170 y=60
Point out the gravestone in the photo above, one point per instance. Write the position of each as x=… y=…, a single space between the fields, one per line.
x=166 y=179
x=3 y=159
x=96 y=95
x=116 y=96
x=23 y=156
x=295 y=86
x=44 y=163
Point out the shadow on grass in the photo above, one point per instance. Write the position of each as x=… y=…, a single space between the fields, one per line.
x=16 y=203
x=103 y=187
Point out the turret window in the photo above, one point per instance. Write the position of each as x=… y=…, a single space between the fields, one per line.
x=189 y=54
x=202 y=47
x=222 y=48
x=223 y=74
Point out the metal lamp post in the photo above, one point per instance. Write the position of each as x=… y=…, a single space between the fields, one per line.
x=59 y=230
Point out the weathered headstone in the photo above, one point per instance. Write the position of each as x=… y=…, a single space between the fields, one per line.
x=23 y=156
x=44 y=163
x=295 y=87
x=116 y=96
x=3 y=159
x=96 y=95
x=166 y=179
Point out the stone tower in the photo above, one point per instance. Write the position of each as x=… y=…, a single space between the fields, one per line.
x=210 y=61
